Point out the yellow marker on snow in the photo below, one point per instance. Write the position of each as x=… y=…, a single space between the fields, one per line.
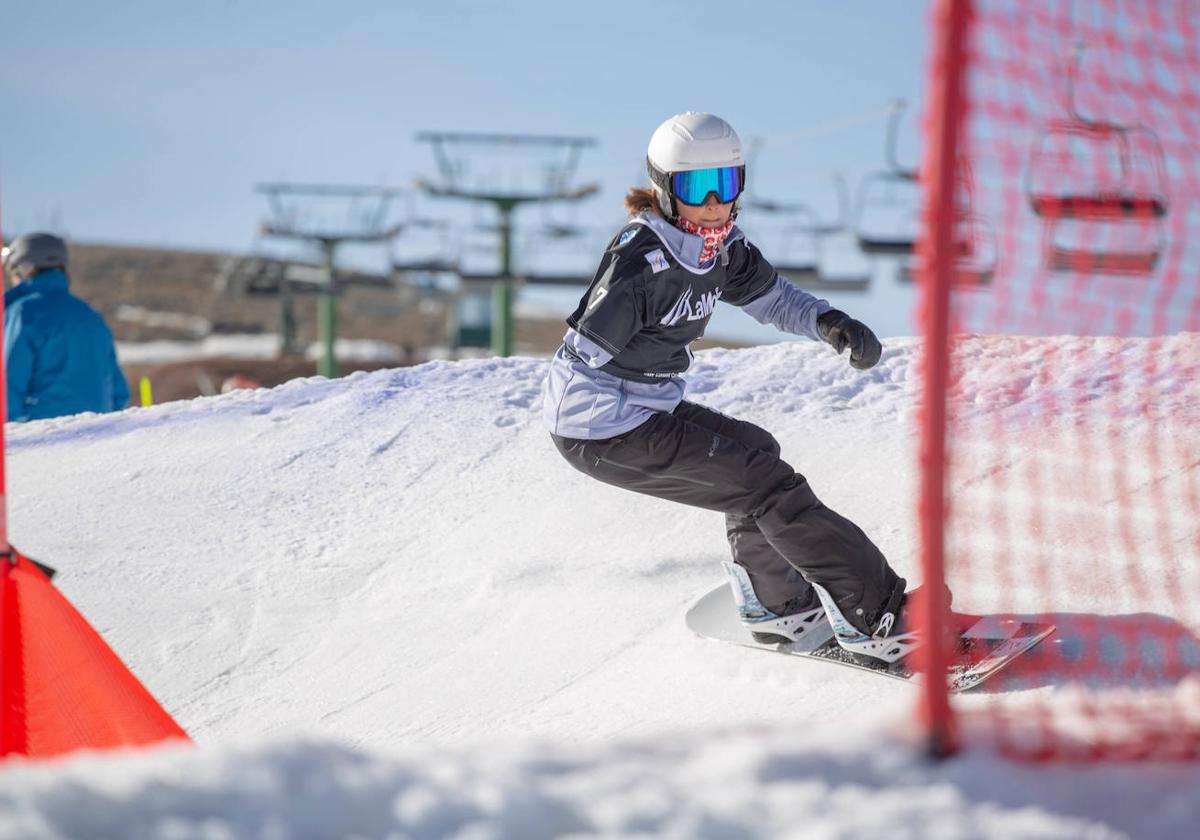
x=147 y=397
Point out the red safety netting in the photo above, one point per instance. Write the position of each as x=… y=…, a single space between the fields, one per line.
x=1071 y=437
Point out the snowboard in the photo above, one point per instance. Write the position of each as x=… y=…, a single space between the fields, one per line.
x=986 y=643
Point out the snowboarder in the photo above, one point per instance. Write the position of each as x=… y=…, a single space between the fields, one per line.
x=58 y=351
x=614 y=400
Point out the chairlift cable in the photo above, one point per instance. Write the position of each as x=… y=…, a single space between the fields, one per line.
x=834 y=125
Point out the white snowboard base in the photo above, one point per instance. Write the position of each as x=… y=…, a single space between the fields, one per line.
x=986 y=647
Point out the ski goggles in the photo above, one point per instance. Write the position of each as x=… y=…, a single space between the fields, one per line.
x=696 y=185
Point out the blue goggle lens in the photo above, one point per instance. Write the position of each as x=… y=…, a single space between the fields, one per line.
x=695 y=186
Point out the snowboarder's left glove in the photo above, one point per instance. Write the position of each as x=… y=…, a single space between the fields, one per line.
x=842 y=331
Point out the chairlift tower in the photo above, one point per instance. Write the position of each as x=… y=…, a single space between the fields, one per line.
x=555 y=187
x=363 y=221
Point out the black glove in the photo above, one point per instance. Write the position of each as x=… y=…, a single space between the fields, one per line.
x=842 y=331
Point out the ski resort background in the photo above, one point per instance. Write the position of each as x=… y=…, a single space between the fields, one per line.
x=370 y=602
x=359 y=640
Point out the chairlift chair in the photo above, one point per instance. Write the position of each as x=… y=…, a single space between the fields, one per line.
x=898 y=186
x=878 y=191
x=535 y=242
x=824 y=280
x=975 y=255
x=547 y=279
x=259 y=276
x=419 y=269
x=814 y=275
x=838 y=283
x=1103 y=179
x=562 y=231
x=805 y=270
x=424 y=266
x=1131 y=247
x=827 y=279
x=559 y=223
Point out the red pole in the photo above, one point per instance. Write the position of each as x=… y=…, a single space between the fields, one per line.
x=937 y=273
x=5 y=548
x=12 y=687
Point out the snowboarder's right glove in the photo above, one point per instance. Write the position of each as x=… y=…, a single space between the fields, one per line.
x=842 y=331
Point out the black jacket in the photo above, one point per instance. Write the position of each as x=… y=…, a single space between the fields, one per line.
x=646 y=304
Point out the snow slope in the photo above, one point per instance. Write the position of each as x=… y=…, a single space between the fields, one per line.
x=383 y=606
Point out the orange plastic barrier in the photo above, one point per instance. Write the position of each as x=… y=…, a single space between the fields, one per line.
x=62 y=688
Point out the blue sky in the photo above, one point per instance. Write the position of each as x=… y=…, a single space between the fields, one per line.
x=151 y=122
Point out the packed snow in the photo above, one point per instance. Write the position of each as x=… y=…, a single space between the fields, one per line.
x=383 y=606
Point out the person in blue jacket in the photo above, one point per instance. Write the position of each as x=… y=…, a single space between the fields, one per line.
x=59 y=354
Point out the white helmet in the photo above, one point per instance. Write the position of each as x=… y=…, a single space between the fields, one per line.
x=687 y=142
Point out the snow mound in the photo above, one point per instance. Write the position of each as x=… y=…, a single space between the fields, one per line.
x=383 y=606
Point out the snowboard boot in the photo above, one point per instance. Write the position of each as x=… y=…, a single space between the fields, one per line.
x=893 y=637
x=783 y=626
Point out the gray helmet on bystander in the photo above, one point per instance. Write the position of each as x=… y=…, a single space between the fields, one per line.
x=34 y=252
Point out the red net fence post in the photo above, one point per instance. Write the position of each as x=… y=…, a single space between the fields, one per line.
x=1061 y=310
x=3 y=399
x=937 y=242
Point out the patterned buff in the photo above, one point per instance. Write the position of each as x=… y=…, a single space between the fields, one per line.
x=713 y=237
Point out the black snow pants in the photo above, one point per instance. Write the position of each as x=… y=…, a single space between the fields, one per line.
x=778 y=530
